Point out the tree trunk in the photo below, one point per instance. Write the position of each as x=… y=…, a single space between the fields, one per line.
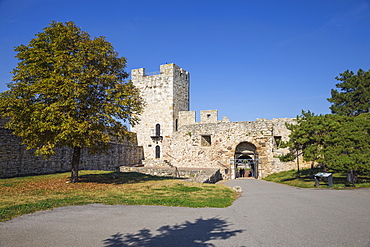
x=311 y=170
x=75 y=162
x=299 y=172
x=324 y=168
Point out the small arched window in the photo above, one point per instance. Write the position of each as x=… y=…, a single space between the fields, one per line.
x=157 y=130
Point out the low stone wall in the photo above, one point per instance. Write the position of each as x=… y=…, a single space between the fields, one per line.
x=15 y=160
x=201 y=175
x=156 y=163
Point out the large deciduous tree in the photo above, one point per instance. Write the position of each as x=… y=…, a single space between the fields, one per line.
x=354 y=95
x=69 y=89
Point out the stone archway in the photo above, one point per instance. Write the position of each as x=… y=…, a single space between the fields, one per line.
x=246 y=160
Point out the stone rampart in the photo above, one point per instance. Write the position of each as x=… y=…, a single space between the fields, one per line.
x=15 y=160
x=213 y=143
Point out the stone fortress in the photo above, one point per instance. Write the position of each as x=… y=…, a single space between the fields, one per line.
x=169 y=140
x=171 y=136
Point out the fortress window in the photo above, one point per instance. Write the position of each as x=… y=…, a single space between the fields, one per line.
x=277 y=140
x=205 y=141
x=157 y=130
x=176 y=124
x=157 y=152
x=208 y=115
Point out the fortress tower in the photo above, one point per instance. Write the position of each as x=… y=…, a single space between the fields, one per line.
x=165 y=93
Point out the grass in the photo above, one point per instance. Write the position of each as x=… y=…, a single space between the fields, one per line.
x=23 y=195
x=306 y=181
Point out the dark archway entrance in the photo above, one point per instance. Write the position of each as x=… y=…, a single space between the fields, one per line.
x=245 y=162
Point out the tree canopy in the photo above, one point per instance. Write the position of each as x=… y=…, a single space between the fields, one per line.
x=354 y=95
x=69 y=90
x=348 y=144
x=336 y=141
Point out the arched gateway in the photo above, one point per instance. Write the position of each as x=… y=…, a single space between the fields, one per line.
x=245 y=162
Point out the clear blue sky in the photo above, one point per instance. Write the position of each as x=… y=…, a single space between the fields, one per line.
x=248 y=59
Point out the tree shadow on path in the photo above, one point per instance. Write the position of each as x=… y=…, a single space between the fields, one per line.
x=186 y=234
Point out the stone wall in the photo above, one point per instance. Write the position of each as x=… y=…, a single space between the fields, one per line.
x=214 y=144
x=186 y=118
x=192 y=175
x=15 y=160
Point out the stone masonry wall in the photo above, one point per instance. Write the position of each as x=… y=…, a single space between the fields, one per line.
x=186 y=118
x=15 y=160
x=186 y=148
x=192 y=175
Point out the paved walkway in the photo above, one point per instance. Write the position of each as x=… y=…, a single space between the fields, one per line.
x=267 y=214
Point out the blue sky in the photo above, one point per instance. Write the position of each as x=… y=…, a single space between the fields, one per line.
x=248 y=59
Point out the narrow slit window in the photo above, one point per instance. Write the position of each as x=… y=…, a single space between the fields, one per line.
x=157 y=130
x=157 y=152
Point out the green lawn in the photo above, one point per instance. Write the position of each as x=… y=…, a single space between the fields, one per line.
x=23 y=195
x=339 y=179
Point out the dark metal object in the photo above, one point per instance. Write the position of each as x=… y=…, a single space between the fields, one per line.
x=324 y=175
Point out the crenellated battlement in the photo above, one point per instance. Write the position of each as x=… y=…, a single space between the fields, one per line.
x=206 y=116
x=165 y=70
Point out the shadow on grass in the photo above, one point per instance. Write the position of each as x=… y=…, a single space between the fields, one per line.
x=302 y=179
x=339 y=178
x=119 y=178
x=185 y=234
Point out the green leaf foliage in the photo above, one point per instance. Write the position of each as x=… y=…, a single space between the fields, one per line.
x=69 y=90
x=354 y=95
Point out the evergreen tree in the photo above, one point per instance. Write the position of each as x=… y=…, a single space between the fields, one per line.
x=69 y=90
x=335 y=141
x=348 y=147
x=354 y=97
x=308 y=138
